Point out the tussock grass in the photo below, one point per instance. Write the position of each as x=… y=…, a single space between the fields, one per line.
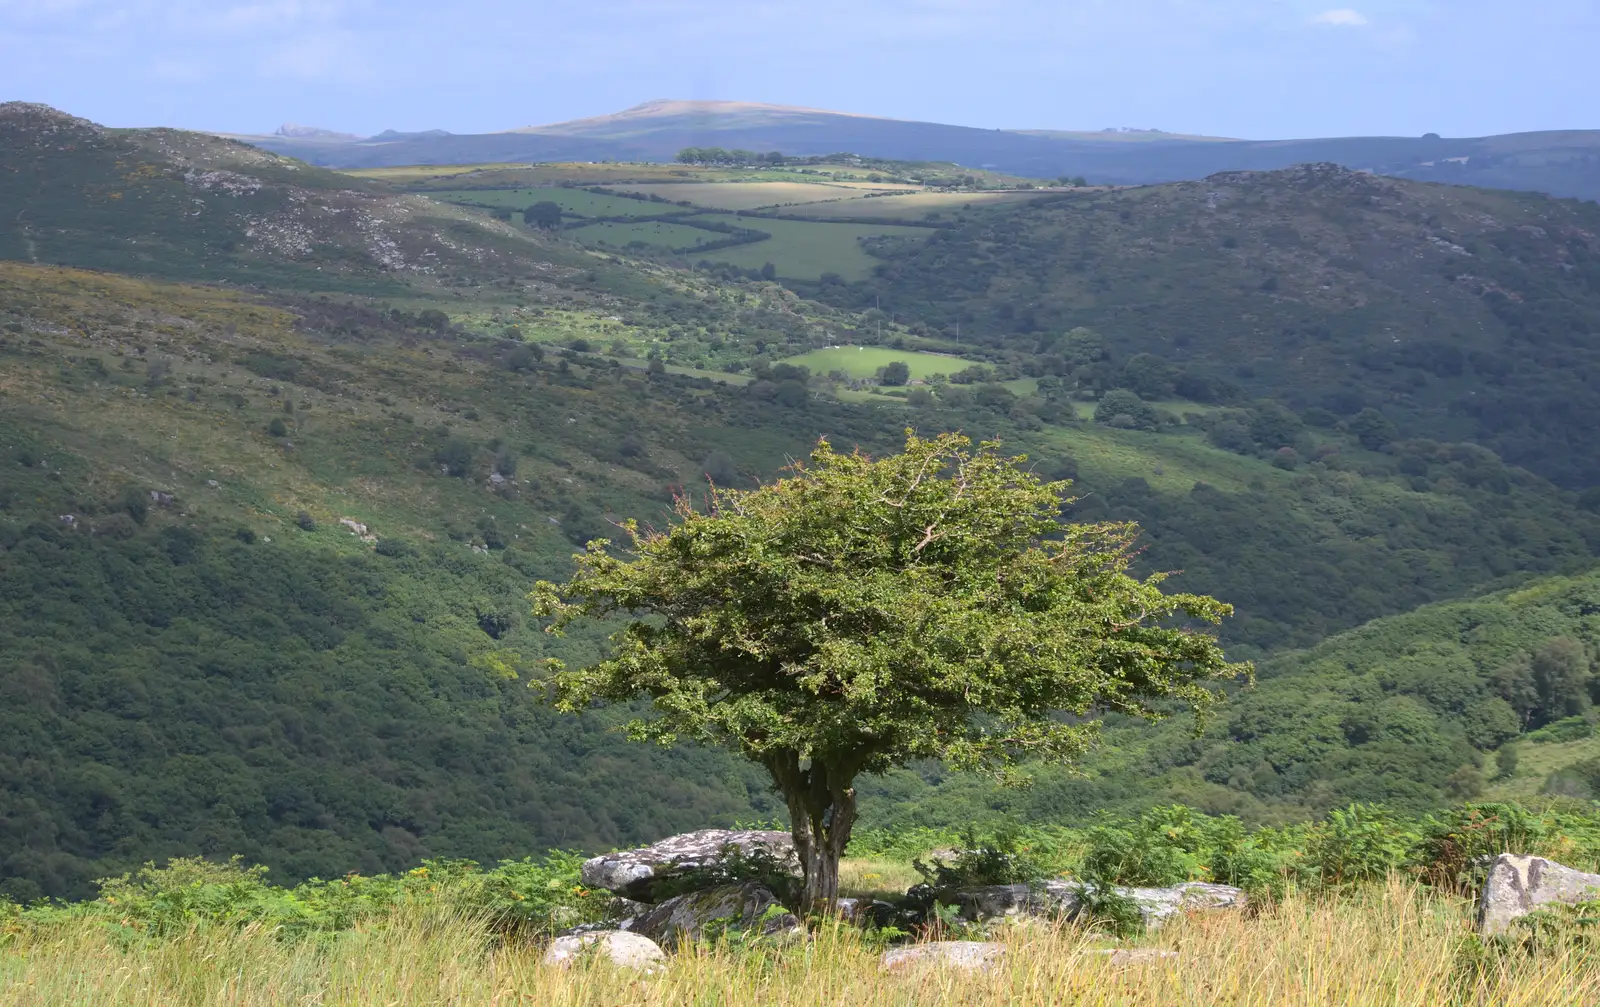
x=1396 y=944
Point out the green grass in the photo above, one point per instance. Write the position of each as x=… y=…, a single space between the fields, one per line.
x=657 y=234
x=1535 y=763
x=801 y=250
x=912 y=206
x=408 y=174
x=575 y=201
x=864 y=361
x=1399 y=945
x=747 y=195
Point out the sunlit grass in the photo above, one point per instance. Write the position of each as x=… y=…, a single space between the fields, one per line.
x=1398 y=945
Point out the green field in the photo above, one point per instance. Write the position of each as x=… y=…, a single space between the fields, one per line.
x=864 y=361
x=911 y=206
x=747 y=195
x=409 y=174
x=574 y=201
x=801 y=250
x=655 y=233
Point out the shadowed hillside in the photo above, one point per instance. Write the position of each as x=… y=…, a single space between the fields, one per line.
x=1457 y=313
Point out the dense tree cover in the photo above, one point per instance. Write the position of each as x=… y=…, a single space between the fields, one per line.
x=859 y=613
x=183 y=693
x=1404 y=710
x=1451 y=313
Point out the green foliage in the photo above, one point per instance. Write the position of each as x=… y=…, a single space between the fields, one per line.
x=318 y=711
x=1164 y=846
x=544 y=214
x=1103 y=908
x=736 y=867
x=861 y=614
x=525 y=896
x=1005 y=859
x=1567 y=729
x=1557 y=928
x=1496 y=316
x=894 y=373
x=1506 y=761
x=1122 y=408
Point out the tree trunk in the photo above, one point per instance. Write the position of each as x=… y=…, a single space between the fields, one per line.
x=822 y=811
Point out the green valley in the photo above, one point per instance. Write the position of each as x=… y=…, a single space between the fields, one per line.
x=283 y=450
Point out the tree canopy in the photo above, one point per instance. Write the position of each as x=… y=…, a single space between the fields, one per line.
x=544 y=214
x=859 y=614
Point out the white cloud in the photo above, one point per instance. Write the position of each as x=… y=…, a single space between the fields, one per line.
x=1342 y=17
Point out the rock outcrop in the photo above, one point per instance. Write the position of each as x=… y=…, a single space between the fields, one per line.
x=633 y=873
x=619 y=947
x=1518 y=884
x=1064 y=899
x=749 y=907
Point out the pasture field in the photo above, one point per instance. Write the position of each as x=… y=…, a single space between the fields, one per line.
x=912 y=206
x=802 y=250
x=576 y=201
x=864 y=361
x=656 y=233
x=745 y=195
x=413 y=173
x=611 y=174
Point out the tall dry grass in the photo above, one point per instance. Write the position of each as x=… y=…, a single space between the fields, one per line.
x=1396 y=945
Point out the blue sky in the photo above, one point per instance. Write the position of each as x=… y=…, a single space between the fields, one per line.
x=1249 y=68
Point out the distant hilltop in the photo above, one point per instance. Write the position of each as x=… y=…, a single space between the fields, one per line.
x=1561 y=163
x=299 y=132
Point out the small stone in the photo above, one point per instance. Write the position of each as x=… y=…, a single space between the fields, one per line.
x=619 y=947
x=971 y=956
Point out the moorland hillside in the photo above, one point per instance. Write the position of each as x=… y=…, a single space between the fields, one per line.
x=1457 y=313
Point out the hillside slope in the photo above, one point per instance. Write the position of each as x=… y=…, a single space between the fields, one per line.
x=186 y=205
x=1405 y=711
x=1462 y=314
x=264 y=546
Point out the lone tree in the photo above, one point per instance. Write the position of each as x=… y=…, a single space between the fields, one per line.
x=545 y=215
x=894 y=373
x=859 y=614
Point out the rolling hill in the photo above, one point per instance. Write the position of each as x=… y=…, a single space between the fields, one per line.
x=1563 y=163
x=1404 y=710
x=270 y=504
x=1457 y=313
